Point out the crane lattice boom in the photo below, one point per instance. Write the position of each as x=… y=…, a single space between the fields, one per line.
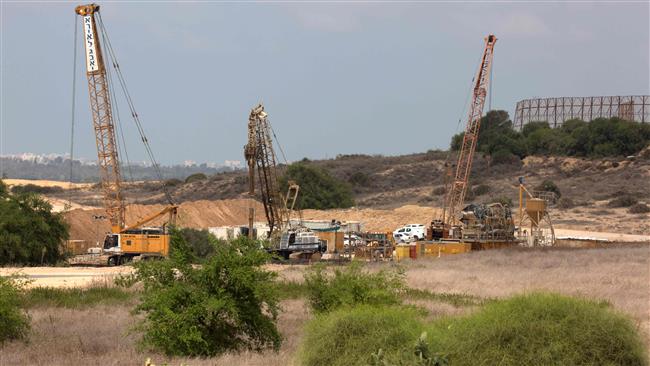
x=458 y=189
x=259 y=154
x=100 y=105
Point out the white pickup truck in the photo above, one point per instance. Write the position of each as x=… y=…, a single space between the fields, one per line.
x=409 y=233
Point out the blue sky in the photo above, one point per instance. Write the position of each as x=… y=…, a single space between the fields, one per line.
x=336 y=78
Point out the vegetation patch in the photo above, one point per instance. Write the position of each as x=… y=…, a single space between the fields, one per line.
x=639 y=208
x=75 y=298
x=227 y=304
x=457 y=300
x=350 y=336
x=602 y=137
x=14 y=323
x=318 y=189
x=30 y=233
x=622 y=201
x=540 y=329
x=352 y=286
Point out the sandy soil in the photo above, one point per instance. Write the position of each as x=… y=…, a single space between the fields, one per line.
x=45 y=183
x=66 y=276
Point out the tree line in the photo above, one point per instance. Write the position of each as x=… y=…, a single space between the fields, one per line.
x=602 y=137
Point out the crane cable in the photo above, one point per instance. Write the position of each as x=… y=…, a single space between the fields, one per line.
x=134 y=114
x=72 y=110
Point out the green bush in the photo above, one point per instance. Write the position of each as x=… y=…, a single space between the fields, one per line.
x=352 y=286
x=33 y=188
x=481 y=189
x=75 y=298
x=504 y=200
x=540 y=329
x=350 y=336
x=318 y=189
x=228 y=304
x=601 y=137
x=359 y=179
x=625 y=200
x=639 y=208
x=195 y=178
x=201 y=244
x=14 y=323
x=30 y=233
x=173 y=182
x=549 y=186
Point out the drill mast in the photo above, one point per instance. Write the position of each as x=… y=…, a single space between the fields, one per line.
x=456 y=194
x=100 y=105
x=259 y=154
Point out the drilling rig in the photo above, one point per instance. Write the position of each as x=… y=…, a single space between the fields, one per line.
x=124 y=242
x=260 y=157
x=492 y=222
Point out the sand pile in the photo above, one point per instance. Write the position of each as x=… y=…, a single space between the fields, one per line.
x=378 y=220
x=197 y=214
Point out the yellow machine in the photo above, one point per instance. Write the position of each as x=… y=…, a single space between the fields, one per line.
x=535 y=224
x=124 y=243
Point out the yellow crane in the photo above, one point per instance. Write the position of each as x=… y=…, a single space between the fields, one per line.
x=124 y=242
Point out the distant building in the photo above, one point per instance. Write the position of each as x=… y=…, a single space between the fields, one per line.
x=557 y=110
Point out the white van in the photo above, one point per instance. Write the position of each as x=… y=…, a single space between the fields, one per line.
x=410 y=232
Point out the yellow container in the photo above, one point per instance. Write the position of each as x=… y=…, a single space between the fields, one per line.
x=402 y=252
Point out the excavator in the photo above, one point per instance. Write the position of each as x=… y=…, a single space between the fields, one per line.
x=260 y=156
x=125 y=242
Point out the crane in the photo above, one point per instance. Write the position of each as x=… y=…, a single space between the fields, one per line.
x=261 y=158
x=124 y=242
x=458 y=185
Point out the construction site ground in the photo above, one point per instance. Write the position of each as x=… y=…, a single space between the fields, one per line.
x=618 y=275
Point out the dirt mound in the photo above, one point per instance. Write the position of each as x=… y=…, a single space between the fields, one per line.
x=86 y=224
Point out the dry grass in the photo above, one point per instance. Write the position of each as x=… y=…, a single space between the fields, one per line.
x=619 y=275
x=100 y=336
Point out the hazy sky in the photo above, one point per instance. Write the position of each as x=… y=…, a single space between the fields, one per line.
x=373 y=78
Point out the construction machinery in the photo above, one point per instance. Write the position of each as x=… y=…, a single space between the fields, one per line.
x=535 y=224
x=124 y=242
x=448 y=226
x=260 y=156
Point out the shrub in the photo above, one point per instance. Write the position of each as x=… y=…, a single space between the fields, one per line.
x=14 y=323
x=318 y=189
x=502 y=200
x=622 y=201
x=173 y=182
x=549 y=186
x=359 y=179
x=30 y=233
x=350 y=336
x=639 y=208
x=33 y=188
x=228 y=304
x=540 y=329
x=481 y=189
x=200 y=243
x=352 y=286
x=565 y=202
x=439 y=191
x=195 y=178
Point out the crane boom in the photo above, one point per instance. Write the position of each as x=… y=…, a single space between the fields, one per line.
x=458 y=189
x=100 y=106
x=260 y=156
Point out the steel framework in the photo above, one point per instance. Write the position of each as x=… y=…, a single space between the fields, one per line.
x=557 y=110
x=456 y=195
x=259 y=154
x=100 y=105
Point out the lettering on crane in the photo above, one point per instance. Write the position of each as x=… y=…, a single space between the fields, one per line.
x=91 y=46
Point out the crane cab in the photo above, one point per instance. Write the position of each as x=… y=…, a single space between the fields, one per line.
x=142 y=242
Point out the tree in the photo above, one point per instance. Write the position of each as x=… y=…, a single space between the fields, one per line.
x=318 y=189
x=228 y=304
x=30 y=233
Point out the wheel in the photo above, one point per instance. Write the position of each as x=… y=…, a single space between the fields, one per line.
x=112 y=261
x=416 y=238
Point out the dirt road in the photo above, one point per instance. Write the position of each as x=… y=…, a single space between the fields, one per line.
x=66 y=276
